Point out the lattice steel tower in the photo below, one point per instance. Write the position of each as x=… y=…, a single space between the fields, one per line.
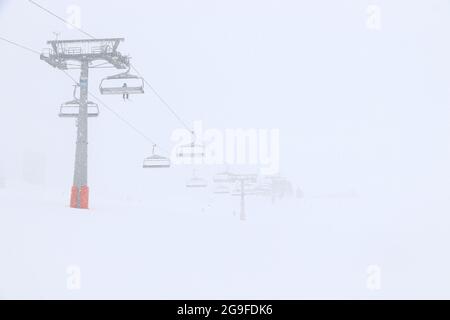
x=243 y=179
x=84 y=53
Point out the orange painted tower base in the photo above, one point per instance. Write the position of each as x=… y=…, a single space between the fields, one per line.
x=79 y=198
x=74 y=197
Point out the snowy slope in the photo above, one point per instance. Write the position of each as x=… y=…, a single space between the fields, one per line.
x=299 y=248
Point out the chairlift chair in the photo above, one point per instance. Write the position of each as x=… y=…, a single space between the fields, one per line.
x=71 y=109
x=191 y=150
x=247 y=192
x=196 y=182
x=263 y=190
x=258 y=190
x=122 y=83
x=222 y=177
x=221 y=189
x=156 y=161
x=236 y=191
x=249 y=189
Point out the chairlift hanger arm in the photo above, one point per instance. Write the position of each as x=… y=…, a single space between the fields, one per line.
x=75 y=86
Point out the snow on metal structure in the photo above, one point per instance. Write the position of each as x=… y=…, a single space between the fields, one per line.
x=84 y=53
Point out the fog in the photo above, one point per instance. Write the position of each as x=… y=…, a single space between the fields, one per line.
x=362 y=115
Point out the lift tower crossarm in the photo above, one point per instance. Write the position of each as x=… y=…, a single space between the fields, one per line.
x=89 y=50
x=84 y=52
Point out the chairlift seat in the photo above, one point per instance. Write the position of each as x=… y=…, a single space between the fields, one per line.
x=249 y=189
x=122 y=90
x=156 y=161
x=247 y=192
x=71 y=109
x=222 y=177
x=221 y=189
x=191 y=151
x=196 y=183
x=114 y=84
x=236 y=192
x=262 y=190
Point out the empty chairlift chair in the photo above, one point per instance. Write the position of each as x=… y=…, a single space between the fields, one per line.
x=196 y=182
x=249 y=189
x=156 y=161
x=222 y=181
x=71 y=109
x=191 y=150
x=263 y=190
x=223 y=177
x=123 y=83
x=236 y=191
x=221 y=189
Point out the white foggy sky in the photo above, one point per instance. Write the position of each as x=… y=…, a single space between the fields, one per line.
x=355 y=108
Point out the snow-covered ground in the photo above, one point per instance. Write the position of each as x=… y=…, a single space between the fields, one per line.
x=315 y=247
